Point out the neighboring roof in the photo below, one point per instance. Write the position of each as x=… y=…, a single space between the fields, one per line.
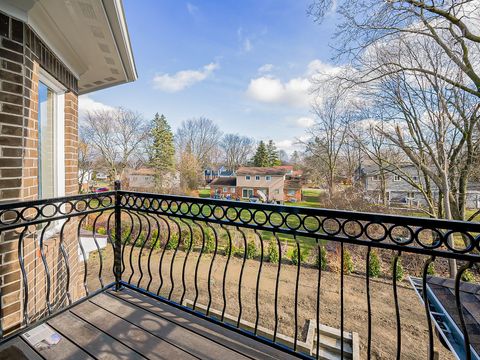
x=224 y=181
x=274 y=170
x=226 y=173
x=90 y=37
x=441 y=296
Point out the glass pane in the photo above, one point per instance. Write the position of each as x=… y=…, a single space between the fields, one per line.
x=46 y=142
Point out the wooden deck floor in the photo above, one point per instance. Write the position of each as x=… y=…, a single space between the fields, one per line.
x=129 y=325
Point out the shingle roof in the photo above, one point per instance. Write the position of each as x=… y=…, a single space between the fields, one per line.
x=224 y=181
x=274 y=170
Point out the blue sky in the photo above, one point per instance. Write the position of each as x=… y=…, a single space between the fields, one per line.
x=243 y=64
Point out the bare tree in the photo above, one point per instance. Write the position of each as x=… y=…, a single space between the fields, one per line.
x=237 y=150
x=202 y=136
x=86 y=159
x=328 y=135
x=451 y=27
x=116 y=135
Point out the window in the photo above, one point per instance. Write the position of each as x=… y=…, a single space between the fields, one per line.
x=247 y=177
x=257 y=177
x=225 y=189
x=51 y=145
x=376 y=177
x=291 y=192
x=396 y=177
x=232 y=190
x=247 y=193
x=51 y=149
x=268 y=178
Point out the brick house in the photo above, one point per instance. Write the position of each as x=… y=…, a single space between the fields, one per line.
x=278 y=183
x=50 y=53
x=224 y=187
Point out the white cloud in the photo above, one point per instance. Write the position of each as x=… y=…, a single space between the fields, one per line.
x=247 y=45
x=290 y=145
x=294 y=92
x=245 y=40
x=192 y=9
x=86 y=103
x=305 y=122
x=266 y=68
x=183 y=79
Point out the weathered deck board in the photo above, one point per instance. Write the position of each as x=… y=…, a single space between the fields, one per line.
x=247 y=346
x=185 y=339
x=17 y=349
x=129 y=334
x=91 y=339
x=129 y=325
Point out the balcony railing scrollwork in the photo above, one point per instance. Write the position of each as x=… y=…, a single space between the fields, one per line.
x=259 y=269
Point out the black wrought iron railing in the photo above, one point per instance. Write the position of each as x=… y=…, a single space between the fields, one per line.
x=312 y=282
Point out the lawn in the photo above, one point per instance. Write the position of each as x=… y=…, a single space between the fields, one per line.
x=204 y=193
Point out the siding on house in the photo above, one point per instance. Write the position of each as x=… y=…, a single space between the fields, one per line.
x=401 y=191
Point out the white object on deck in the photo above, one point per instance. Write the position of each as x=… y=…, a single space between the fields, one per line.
x=88 y=244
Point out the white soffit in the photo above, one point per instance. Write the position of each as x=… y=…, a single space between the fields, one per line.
x=89 y=36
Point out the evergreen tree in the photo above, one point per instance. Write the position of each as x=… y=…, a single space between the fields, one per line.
x=162 y=150
x=272 y=152
x=261 y=156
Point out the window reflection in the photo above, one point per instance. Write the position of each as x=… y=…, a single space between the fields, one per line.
x=46 y=142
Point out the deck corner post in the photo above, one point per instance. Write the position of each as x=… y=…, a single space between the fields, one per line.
x=118 y=237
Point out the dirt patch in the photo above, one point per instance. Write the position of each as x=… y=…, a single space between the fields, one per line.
x=414 y=333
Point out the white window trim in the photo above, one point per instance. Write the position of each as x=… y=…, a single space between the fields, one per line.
x=257 y=177
x=247 y=177
x=268 y=178
x=59 y=147
x=396 y=177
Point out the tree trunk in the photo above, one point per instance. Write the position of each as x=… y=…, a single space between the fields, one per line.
x=452 y=263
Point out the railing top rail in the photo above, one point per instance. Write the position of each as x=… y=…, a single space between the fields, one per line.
x=63 y=199
x=458 y=225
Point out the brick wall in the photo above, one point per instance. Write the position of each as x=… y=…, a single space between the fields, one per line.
x=22 y=55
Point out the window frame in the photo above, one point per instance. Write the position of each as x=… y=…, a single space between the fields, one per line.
x=59 y=146
x=59 y=132
x=268 y=177
x=396 y=178
x=247 y=177
x=257 y=177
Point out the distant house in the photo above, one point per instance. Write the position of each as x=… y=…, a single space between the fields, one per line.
x=278 y=183
x=399 y=191
x=211 y=174
x=143 y=179
x=224 y=187
x=100 y=175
